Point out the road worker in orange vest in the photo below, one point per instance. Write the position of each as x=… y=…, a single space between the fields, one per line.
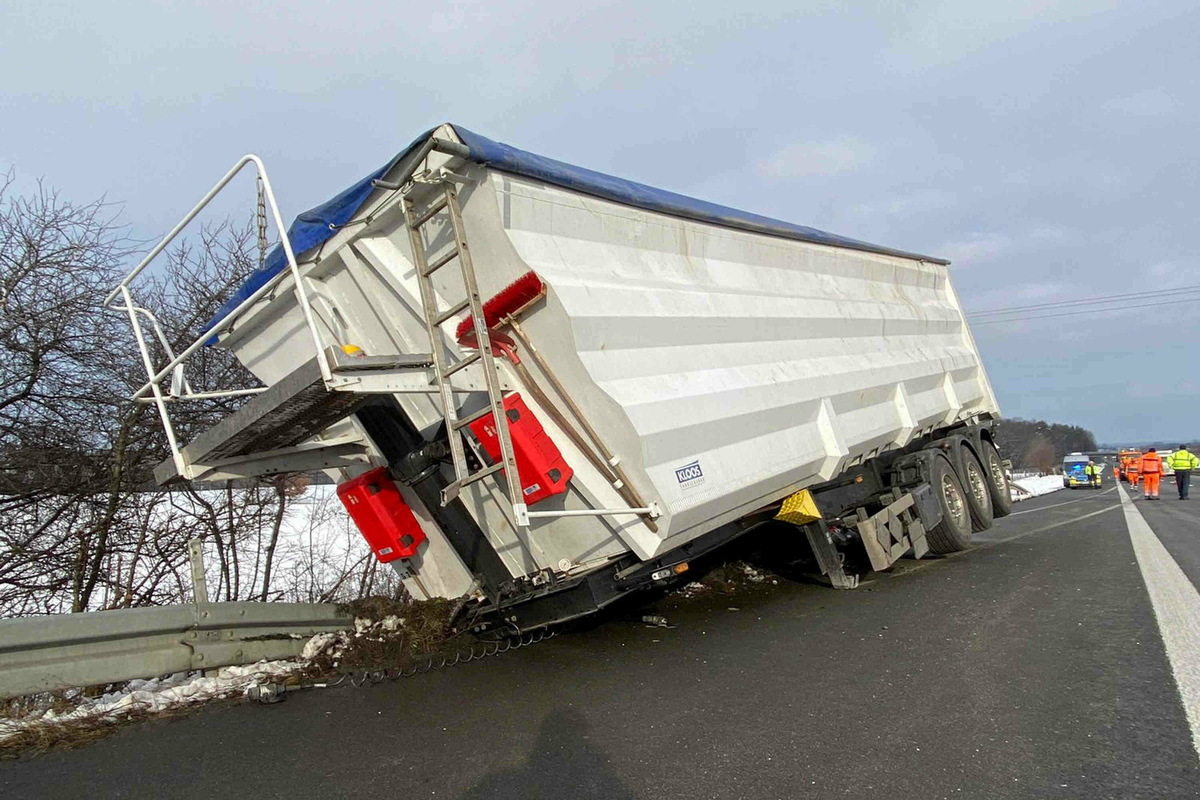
x=1117 y=472
x=1131 y=472
x=1151 y=469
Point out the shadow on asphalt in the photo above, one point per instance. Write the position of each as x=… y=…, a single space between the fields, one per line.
x=562 y=763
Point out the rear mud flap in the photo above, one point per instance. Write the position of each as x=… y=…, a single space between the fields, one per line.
x=892 y=532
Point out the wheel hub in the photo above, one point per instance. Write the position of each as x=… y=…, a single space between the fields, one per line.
x=978 y=484
x=954 y=501
x=998 y=476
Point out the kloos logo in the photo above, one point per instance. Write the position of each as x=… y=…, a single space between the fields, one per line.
x=690 y=474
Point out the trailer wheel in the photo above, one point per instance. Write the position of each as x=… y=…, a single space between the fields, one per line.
x=953 y=533
x=997 y=481
x=979 y=496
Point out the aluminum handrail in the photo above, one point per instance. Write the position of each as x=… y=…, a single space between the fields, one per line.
x=179 y=377
x=171 y=398
x=148 y=361
x=180 y=388
x=225 y=321
x=440 y=145
x=175 y=363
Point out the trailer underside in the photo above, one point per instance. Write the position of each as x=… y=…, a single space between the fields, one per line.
x=869 y=517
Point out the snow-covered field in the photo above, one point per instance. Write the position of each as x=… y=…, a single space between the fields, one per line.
x=1037 y=486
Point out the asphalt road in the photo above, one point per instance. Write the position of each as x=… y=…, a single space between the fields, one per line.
x=1031 y=666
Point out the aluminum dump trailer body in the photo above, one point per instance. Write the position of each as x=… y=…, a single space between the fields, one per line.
x=726 y=359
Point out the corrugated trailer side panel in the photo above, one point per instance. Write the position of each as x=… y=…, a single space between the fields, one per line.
x=732 y=366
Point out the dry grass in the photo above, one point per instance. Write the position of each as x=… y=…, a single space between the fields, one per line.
x=59 y=702
x=425 y=630
x=38 y=737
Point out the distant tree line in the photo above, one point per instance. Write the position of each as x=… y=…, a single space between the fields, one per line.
x=1168 y=445
x=1037 y=444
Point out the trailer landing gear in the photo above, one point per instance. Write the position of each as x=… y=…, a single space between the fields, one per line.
x=829 y=558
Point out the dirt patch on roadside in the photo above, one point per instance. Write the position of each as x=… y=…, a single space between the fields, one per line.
x=386 y=634
x=41 y=736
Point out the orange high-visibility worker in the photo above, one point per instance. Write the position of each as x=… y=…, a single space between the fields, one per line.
x=1128 y=460
x=1116 y=473
x=1151 y=469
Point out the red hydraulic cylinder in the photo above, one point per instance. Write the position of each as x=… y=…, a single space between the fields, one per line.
x=383 y=518
x=542 y=469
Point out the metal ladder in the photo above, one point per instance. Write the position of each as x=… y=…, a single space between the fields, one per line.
x=434 y=319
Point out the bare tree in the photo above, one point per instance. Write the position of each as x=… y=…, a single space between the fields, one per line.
x=84 y=526
x=75 y=454
x=57 y=258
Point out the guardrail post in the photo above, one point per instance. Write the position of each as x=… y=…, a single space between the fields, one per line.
x=199 y=583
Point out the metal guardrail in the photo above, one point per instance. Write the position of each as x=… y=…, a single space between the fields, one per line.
x=40 y=654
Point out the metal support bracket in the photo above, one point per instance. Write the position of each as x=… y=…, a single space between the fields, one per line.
x=345 y=451
x=828 y=557
x=652 y=511
x=408 y=381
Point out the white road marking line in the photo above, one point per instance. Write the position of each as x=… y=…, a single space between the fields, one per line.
x=899 y=569
x=1069 y=502
x=1052 y=526
x=1176 y=607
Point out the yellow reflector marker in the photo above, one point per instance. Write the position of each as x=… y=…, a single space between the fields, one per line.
x=352 y=350
x=681 y=568
x=799 y=509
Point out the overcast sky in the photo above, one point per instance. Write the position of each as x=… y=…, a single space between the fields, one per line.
x=1048 y=149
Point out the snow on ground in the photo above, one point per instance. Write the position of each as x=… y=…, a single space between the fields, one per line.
x=159 y=694
x=1037 y=486
x=191 y=688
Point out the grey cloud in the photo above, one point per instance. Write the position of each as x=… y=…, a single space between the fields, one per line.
x=1047 y=147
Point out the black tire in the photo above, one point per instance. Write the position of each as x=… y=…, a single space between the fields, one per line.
x=953 y=533
x=993 y=467
x=979 y=496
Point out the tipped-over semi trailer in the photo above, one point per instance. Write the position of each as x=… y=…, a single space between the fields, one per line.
x=668 y=374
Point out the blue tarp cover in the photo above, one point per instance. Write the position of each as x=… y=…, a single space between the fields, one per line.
x=318 y=225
